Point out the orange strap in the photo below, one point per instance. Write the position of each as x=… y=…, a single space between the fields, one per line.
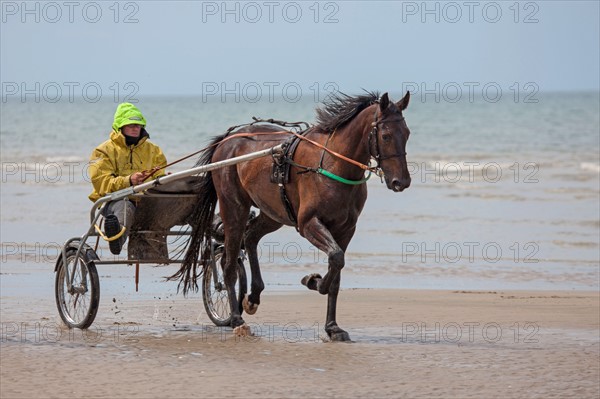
x=238 y=135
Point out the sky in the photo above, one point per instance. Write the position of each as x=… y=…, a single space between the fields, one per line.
x=212 y=48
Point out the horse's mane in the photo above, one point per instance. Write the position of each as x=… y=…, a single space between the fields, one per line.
x=341 y=108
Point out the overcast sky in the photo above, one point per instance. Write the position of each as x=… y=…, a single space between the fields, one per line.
x=195 y=47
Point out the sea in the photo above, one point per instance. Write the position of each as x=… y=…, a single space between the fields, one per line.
x=505 y=194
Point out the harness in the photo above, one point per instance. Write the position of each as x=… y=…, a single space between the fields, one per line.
x=282 y=163
x=280 y=173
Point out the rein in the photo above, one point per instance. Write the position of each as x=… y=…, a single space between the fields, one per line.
x=373 y=134
x=283 y=132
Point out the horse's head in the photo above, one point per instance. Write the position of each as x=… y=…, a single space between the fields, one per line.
x=387 y=142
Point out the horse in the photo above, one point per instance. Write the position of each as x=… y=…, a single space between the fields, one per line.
x=323 y=198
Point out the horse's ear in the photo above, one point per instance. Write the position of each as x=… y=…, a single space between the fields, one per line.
x=402 y=104
x=384 y=102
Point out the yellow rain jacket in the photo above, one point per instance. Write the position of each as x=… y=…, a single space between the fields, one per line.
x=112 y=162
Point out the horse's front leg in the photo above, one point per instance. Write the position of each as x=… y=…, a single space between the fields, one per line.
x=334 y=332
x=318 y=235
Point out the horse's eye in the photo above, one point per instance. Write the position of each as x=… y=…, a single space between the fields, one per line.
x=386 y=137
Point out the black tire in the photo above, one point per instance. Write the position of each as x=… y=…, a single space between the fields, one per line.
x=215 y=297
x=78 y=308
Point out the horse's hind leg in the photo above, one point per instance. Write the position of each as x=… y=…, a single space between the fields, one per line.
x=257 y=229
x=234 y=219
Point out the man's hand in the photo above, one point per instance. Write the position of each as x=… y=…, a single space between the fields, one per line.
x=138 y=178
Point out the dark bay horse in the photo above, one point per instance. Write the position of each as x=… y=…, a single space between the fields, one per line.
x=326 y=210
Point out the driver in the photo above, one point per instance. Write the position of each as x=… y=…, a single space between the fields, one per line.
x=120 y=162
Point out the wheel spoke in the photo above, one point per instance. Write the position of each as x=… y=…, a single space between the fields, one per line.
x=215 y=293
x=218 y=298
x=77 y=306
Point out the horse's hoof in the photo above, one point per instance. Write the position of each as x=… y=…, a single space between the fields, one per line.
x=340 y=336
x=336 y=334
x=311 y=281
x=242 y=331
x=249 y=307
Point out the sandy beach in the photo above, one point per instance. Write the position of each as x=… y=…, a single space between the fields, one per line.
x=480 y=280
x=452 y=289
x=407 y=343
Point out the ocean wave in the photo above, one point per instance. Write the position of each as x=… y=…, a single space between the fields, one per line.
x=590 y=167
x=576 y=244
x=583 y=192
x=61 y=159
x=568 y=222
x=489 y=196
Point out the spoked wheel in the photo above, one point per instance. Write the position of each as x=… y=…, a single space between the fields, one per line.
x=78 y=306
x=214 y=292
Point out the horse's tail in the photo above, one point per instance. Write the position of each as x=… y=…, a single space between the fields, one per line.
x=200 y=220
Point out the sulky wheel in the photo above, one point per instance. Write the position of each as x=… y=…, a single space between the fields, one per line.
x=78 y=306
x=214 y=292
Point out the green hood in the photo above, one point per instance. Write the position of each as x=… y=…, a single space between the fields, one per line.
x=128 y=114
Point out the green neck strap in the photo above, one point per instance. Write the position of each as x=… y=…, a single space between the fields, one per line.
x=341 y=179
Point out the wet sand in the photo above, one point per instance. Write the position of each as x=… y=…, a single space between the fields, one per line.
x=406 y=344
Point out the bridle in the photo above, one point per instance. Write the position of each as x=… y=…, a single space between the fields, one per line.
x=374 y=135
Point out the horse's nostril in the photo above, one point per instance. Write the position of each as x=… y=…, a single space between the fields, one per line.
x=400 y=184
